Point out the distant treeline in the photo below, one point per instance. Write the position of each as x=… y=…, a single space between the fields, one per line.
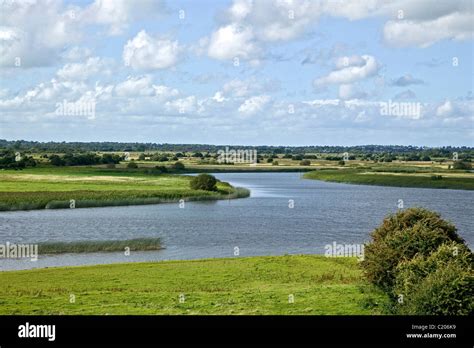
x=64 y=147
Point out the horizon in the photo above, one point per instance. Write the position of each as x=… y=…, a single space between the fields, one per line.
x=242 y=145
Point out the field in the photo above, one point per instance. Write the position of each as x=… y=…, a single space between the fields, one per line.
x=40 y=188
x=253 y=285
x=399 y=177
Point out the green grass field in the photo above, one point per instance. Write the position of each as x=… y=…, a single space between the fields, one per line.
x=398 y=178
x=40 y=188
x=253 y=285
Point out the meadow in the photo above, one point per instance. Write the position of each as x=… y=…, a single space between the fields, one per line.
x=290 y=284
x=399 y=177
x=66 y=187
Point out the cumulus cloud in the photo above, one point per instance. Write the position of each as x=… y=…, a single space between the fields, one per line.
x=233 y=41
x=33 y=33
x=150 y=53
x=182 y=105
x=446 y=109
x=411 y=23
x=407 y=80
x=135 y=86
x=253 y=105
x=82 y=71
x=350 y=92
x=117 y=15
x=351 y=73
x=424 y=33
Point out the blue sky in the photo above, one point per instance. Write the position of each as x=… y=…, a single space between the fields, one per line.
x=308 y=72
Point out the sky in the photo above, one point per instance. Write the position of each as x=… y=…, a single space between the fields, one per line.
x=248 y=72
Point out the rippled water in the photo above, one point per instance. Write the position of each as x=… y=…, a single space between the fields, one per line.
x=263 y=224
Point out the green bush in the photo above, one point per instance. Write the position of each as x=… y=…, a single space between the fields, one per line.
x=305 y=162
x=462 y=165
x=204 y=182
x=439 y=284
x=132 y=165
x=400 y=237
x=178 y=166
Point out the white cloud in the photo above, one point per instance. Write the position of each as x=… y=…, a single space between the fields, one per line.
x=150 y=53
x=350 y=92
x=135 y=86
x=350 y=74
x=165 y=92
x=424 y=33
x=82 y=71
x=35 y=32
x=233 y=41
x=254 y=105
x=218 y=97
x=76 y=53
x=446 y=109
x=347 y=61
x=118 y=14
x=182 y=105
x=407 y=80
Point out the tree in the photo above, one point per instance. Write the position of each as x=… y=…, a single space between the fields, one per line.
x=132 y=165
x=204 y=182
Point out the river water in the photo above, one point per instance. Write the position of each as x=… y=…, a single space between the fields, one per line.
x=284 y=215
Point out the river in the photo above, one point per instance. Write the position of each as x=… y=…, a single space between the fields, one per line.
x=285 y=214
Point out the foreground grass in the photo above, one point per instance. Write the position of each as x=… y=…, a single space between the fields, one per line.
x=142 y=244
x=457 y=181
x=253 y=285
x=92 y=187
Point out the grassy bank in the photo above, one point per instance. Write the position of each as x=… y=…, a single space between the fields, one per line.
x=45 y=188
x=442 y=180
x=253 y=285
x=138 y=244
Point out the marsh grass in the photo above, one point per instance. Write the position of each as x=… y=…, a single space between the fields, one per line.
x=138 y=244
x=89 y=188
x=362 y=177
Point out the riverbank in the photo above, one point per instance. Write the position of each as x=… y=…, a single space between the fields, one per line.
x=441 y=180
x=290 y=284
x=57 y=188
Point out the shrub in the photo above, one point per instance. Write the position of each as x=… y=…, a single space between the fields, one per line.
x=204 y=182
x=436 y=177
x=462 y=165
x=132 y=165
x=305 y=162
x=439 y=284
x=341 y=163
x=275 y=163
x=161 y=169
x=178 y=166
x=400 y=237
